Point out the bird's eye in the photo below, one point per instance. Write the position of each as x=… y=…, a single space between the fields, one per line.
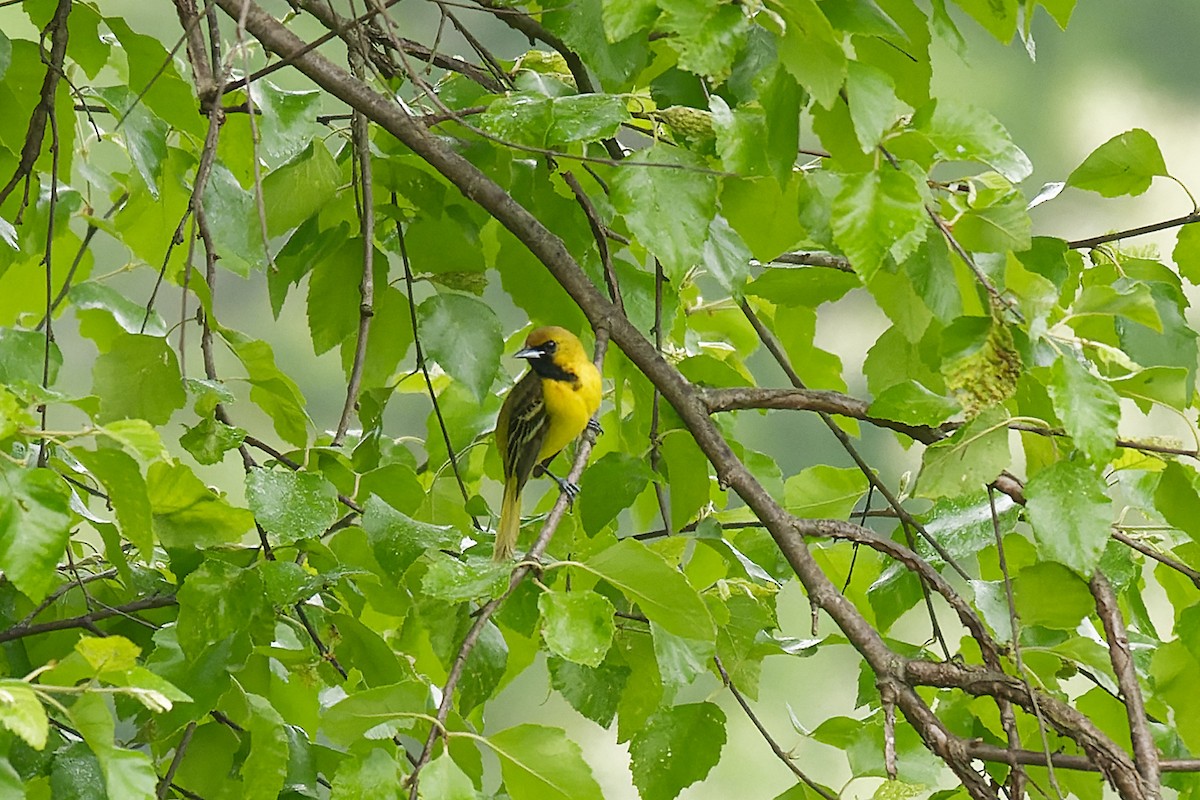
x=550 y=346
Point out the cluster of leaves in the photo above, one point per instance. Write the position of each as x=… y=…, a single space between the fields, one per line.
x=293 y=633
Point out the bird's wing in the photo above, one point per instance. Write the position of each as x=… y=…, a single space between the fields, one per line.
x=527 y=428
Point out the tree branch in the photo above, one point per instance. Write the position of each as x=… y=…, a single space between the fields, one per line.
x=87 y=621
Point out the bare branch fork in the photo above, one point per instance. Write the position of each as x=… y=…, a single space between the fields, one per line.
x=900 y=675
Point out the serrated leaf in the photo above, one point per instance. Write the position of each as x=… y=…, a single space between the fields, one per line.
x=726 y=256
x=210 y=439
x=577 y=625
x=144 y=362
x=593 y=692
x=1049 y=594
x=961 y=132
x=1088 y=407
x=812 y=51
x=463 y=336
x=455 y=581
x=1187 y=253
x=22 y=713
x=969 y=459
x=541 y=763
x=1125 y=164
x=218 y=601
x=103 y=312
x=911 y=403
x=586 y=117
x=871 y=96
x=35 y=522
x=668 y=201
x=824 y=492
x=291 y=505
x=393 y=706
x=876 y=214
x=675 y=748
x=397 y=540
x=126 y=492
x=1177 y=500
x=300 y=188
x=662 y=593
x=707 y=36
x=187 y=513
x=21 y=357
x=609 y=486
x=1071 y=514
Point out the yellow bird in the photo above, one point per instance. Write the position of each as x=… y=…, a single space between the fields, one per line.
x=547 y=409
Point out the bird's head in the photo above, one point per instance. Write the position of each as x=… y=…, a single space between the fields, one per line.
x=550 y=352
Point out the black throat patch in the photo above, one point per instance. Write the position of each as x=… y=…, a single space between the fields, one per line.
x=546 y=367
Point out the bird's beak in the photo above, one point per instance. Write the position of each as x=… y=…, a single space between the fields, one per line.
x=529 y=352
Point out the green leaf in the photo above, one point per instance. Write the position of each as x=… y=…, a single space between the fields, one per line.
x=877 y=214
x=21 y=356
x=668 y=202
x=623 y=18
x=395 y=707
x=398 y=540
x=21 y=712
x=577 y=625
x=740 y=135
x=34 y=527
x=687 y=476
x=210 y=439
x=586 y=117
x=1088 y=407
x=1051 y=595
x=127 y=493
x=334 y=298
x=662 y=593
x=726 y=256
x=300 y=188
x=541 y=763
x=463 y=336
x=997 y=17
x=1187 y=253
x=1125 y=164
x=962 y=132
x=189 y=514
x=1166 y=385
x=143 y=132
x=1134 y=301
x=375 y=774
x=1071 y=515
x=874 y=108
x=1177 y=500
x=812 y=51
x=138 y=379
x=291 y=505
x=218 y=601
x=706 y=36
x=271 y=389
x=676 y=747
x=127 y=774
x=680 y=661
x=609 y=486
x=485 y=667
x=104 y=313
x=107 y=653
x=75 y=773
x=593 y=692
x=969 y=459
x=824 y=492
x=911 y=403
x=444 y=780
x=138 y=437
x=455 y=581
x=265 y=768
x=616 y=63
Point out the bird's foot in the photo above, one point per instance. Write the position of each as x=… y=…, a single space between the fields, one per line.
x=571 y=490
x=594 y=426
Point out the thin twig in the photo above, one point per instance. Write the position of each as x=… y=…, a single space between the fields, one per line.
x=423 y=365
x=1141 y=230
x=1015 y=625
x=366 y=288
x=165 y=783
x=779 y=752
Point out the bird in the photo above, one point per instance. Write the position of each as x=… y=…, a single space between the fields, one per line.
x=545 y=411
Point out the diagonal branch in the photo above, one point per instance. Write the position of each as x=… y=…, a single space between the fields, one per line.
x=1145 y=752
x=36 y=132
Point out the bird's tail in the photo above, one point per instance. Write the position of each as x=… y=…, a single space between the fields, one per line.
x=510 y=522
